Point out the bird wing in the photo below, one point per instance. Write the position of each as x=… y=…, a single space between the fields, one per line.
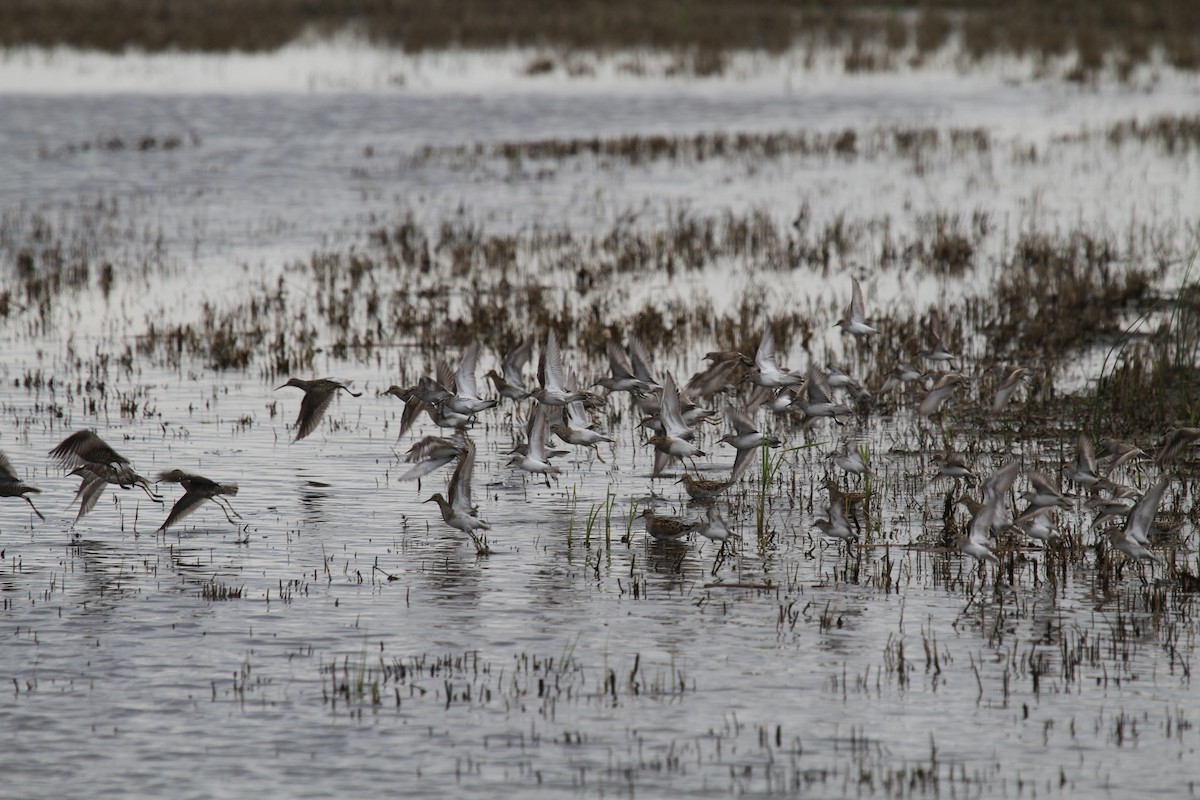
x=7 y=473
x=857 y=311
x=742 y=424
x=764 y=359
x=618 y=361
x=514 y=363
x=312 y=409
x=671 y=416
x=465 y=377
x=537 y=433
x=183 y=506
x=1041 y=483
x=741 y=462
x=460 y=482
x=550 y=369
x=641 y=362
x=995 y=487
x=817 y=387
x=1087 y=457
x=83 y=447
x=1137 y=525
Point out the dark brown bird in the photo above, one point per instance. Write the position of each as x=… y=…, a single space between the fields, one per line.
x=196 y=489
x=12 y=486
x=85 y=454
x=318 y=394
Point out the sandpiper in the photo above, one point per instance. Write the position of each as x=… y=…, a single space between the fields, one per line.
x=936 y=397
x=1036 y=523
x=1141 y=517
x=954 y=465
x=818 y=400
x=902 y=374
x=553 y=391
x=196 y=489
x=12 y=486
x=535 y=459
x=746 y=440
x=511 y=384
x=1085 y=472
x=459 y=512
x=1175 y=442
x=673 y=441
x=623 y=378
x=667 y=529
x=704 y=489
x=851 y=461
x=770 y=374
x=90 y=458
x=1012 y=379
x=715 y=528
x=855 y=321
x=1043 y=493
x=466 y=398
x=432 y=453
x=575 y=427
x=318 y=394
x=835 y=524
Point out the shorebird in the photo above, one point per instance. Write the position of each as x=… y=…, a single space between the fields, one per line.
x=746 y=440
x=535 y=459
x=1085 y=473
x=96 y=477
x=673 y=441
x=818 y=400
x=575 y=427
x=667 y=529
x=432 y=453
x=318 y=394
x=936 y=397
x=196 y=489
x=459 y=512
x=1043 y=493
x=855 y=321
x=1119 y=453
x=553 y=391
x=835 y=524
x=838 y=378
x=12 y=486
x=715 y=528
x=465 y=399
x=1036 y=523
x=703 y=489
x=1174 y=443
x=954 y=465
x=851 y=461
x=623 y=378
x=988 y=516
x=1135 y=550
x=769 y=372
x=91 y=458
x=1141 y=516
x=512 y=383
x=901 y=375
x=1012 y=379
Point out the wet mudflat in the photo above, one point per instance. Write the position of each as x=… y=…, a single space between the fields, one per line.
x=169 y=258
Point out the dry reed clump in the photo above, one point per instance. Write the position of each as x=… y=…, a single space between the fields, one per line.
x=1093 y=33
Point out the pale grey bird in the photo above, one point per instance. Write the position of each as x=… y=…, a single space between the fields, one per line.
x=769 y=373
x=459 y=511
x=855 y=321
x=746 y=440
x=465 y=399
x=318 y=394
x=511 y=384
x=553 y=391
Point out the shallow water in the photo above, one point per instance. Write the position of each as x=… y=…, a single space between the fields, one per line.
x=372 y=650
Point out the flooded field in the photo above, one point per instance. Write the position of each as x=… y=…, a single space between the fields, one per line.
x=173 y=251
